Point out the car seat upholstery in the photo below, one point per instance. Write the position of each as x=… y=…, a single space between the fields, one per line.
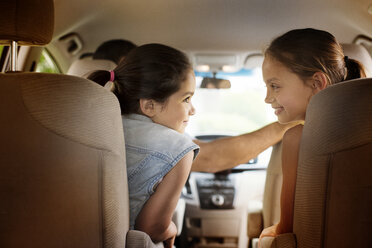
x=334 y=190
x=63 y=179
x=83 y=67
x=269 y=213
x=62 y=158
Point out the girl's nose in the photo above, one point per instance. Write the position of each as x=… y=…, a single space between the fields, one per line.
x=192 y=110
x=268 y=98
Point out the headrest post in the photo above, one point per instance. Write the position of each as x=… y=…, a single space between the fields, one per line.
x=13 y=56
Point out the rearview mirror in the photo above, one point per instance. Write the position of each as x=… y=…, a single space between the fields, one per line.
x=215 y=83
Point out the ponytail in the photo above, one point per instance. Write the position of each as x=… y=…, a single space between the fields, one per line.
x=307 y=51
x=355 y=69
x=101 y=77
x=151 y=71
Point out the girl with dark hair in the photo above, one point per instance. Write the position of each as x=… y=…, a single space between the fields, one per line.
x=114 y=50
x=154 y=85
x=297 y=65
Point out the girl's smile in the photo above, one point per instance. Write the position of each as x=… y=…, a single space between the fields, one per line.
x=278 y=110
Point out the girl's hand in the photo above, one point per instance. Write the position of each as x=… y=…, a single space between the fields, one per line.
x=268 y=232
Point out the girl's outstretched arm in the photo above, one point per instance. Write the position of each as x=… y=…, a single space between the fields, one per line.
x=228 y=152
x=155 y=218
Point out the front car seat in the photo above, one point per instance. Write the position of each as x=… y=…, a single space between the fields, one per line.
x=268 y=213
x=62 y=158
x=83 y=67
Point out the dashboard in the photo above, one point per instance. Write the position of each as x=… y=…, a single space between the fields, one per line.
x=217 y=203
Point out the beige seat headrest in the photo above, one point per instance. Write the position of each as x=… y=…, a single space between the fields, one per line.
x=360 y=53
x=83 y=67
x=19 y=22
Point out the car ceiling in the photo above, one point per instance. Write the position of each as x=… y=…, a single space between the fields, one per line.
x=207 y=25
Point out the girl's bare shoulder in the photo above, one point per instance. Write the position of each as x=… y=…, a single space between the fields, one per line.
x=293 y=135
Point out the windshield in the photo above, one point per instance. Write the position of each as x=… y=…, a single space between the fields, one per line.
x=237 y=110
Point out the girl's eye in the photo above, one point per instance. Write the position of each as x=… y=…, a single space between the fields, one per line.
x=187 y=99
x=274 y=86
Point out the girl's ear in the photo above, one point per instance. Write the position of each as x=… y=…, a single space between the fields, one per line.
x=319 y=82
x=147 y=107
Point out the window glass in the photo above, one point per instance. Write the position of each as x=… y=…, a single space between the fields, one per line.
x=47 y=63
x=237 y=110
x=3 y=57
x=232 y=111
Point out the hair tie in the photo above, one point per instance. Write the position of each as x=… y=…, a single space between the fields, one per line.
x=112 y=76
x=346 y=59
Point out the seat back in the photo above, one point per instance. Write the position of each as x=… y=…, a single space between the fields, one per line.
x=273 y=186
x=83 y=67
x=334 y=188
x=63 y=180
x=62 y=159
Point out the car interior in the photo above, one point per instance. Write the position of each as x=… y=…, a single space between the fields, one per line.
x=63 y=180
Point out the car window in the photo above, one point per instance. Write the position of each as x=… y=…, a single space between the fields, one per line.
x=47 y=63
x=237 y=110
x=233 y=111
x=2 y=58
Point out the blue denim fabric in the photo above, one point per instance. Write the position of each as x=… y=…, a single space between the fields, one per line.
x=152 y=150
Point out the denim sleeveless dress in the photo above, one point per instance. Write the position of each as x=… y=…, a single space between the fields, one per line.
x=152 y=150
